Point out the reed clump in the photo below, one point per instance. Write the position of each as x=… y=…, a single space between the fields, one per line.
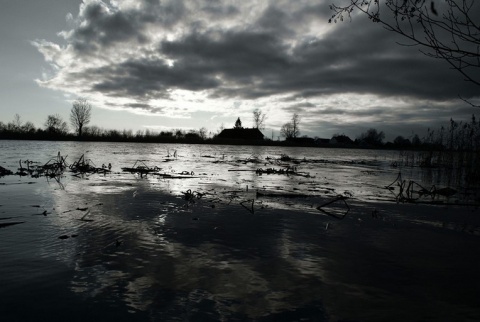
x=454 y=149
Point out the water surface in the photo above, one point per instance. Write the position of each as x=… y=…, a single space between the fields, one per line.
x=127 y=247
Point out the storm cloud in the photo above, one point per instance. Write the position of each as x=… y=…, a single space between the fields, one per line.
x=160 y=56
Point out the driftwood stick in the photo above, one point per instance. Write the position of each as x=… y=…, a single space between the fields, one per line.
x=335 y=200
x=399 y=178
x=86 y=214
x=340 y=197
x=251 y=210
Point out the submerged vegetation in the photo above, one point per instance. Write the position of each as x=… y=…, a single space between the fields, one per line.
x=458 y=166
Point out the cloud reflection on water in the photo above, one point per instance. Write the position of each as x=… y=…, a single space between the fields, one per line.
x=144 y=247
x=163 y=248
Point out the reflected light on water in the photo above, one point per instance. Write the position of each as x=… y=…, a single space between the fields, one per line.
x=142 y=245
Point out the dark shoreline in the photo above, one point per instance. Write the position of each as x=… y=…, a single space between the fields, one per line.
x=285 y=143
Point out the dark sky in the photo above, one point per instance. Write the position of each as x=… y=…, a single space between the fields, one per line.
x=192 y=64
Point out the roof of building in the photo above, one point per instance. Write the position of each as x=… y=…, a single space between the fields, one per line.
x=241 y=134
x=342 y=139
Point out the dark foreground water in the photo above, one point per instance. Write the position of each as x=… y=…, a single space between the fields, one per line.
x=125 y=247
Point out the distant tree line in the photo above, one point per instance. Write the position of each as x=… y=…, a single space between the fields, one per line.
x=456 y=136
x=55 y=128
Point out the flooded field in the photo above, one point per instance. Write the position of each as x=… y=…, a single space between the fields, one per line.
x=159 y=232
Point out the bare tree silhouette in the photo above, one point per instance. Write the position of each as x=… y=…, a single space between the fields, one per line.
x=287 y=131
x=372 y=137
x=296 y=125
x=291 y=129
x=56 y=125
x=80 y=115
x=259 y=119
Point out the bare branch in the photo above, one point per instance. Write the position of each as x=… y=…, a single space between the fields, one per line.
x=448 y=32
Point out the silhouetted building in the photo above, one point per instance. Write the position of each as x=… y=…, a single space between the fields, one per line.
x=241 y=134
x=321 y=141
x=341 y=140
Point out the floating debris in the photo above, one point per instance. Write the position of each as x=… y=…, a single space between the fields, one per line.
x=332 y=213
x=174 y=154
x=82 y=166
x=52 y=168
x=6 y=224
x=183 y=175
x=445 y=192
x=22 y=171
x=56 y=166
x=281 y=195
x=190 y=195
x=5 y=172
x=44 y=213
x=141 y=168
x=288 y=170
x=250 y=209
x=411 y=191
x=251 y=159
x=285 y=158
x=86 y=214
